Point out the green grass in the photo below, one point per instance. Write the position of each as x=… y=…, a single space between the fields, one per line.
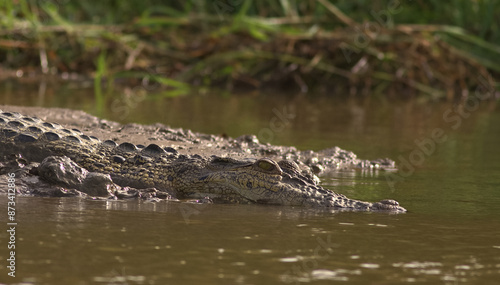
x=310 y=44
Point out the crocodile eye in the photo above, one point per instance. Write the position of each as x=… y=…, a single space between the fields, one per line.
x=265 y=165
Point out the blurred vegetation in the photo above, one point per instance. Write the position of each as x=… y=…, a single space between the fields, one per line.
x=443 y=49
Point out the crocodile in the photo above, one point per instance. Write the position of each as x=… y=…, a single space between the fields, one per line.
x=216 y=178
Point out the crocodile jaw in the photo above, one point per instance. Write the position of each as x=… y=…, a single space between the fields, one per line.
x=281 y=190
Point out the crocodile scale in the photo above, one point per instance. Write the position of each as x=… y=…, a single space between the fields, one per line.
x=222 y=179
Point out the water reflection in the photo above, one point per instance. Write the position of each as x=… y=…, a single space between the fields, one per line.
x=450 y=234
x=134 y=241
x=134 y=206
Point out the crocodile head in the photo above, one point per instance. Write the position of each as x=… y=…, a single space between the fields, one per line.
x=266 y=181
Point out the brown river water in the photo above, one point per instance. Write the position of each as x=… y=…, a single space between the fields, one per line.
x=448 y=180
